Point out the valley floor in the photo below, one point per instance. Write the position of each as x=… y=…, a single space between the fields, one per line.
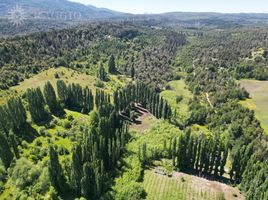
x=179 y=185
x=182 y=186
x=258 y=91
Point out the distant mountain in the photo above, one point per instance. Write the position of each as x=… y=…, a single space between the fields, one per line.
x=27 y=16
x=54 y=9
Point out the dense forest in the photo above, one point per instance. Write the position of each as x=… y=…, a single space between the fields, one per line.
x=91 y=165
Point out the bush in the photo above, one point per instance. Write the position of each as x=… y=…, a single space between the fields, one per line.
x=24 y=144
x=179 y=98
x=53 y=123
x=24 y=173
x=67 y=124
x=99 y=84
x=168 y=87
x=132 y=190
x=56 y=75
x=70 y=118
x=37 y=142
x=63 y=151
x=42 y=131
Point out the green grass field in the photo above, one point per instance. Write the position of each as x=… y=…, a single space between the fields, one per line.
x=160 y=187
x=178 y=88
x=259 y=100
x=67 y=75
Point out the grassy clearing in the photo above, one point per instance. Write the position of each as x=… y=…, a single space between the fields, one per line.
x=147 y=121
x=178 y=88
x=160 y=187
x=154 y=137
x=184 y=187
x=256 y=53
x=201 y=129
x=67 y=75
x=259 y=97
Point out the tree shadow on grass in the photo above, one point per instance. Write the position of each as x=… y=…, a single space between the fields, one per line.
x=208 y=176
x=28 y=133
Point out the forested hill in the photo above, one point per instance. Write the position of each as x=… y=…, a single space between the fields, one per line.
x=53 y=6
x=27 y=16
x=151 y=50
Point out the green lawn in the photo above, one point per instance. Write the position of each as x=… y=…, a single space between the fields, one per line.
x=178 y=88
x=259 y=100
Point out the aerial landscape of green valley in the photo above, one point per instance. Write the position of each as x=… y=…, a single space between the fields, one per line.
x=148 y=100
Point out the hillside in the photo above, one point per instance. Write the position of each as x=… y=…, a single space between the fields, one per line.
x=135 y=109
x=26 y=16
x=51 y=7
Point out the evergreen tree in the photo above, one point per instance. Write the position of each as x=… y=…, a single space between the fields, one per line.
x=76 y=171
x=111 y=65
x=56 y=172
x=51 y=99
x=88 y=100
x=12 y=116
x=62 y=91
x=5 y=152
x=132 y=72
x=224 y=159
x=88 y=181
x=101 y=73
x=13 y=144
x=36 y=105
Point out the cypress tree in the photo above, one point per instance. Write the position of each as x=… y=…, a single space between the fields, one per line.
x=76 y=171
x=5 y=152
x=62 y=91
x=111 y=65
x=88 y=181
x=36 y=105
x=224 y=159
x=16 y=114
x=13 y=144
x=101 y=73
x=132 y=72
x=55 y=171
x=51 y=99
x=5 y=121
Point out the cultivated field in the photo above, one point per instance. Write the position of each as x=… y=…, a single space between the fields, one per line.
x=259 y=99
x=184 y=187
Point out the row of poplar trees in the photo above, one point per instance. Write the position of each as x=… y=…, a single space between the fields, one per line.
x=94 y=156
x=144 y=95
x=13 y=119
x=72 y=96
x=191 y=152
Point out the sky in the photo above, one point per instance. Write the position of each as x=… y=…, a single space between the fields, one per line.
x=161 y=6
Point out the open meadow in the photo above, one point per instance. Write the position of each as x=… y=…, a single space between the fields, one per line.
x=258 y=101
x=183 y=186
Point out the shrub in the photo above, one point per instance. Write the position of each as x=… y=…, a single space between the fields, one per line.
x=70 y=118
x=62 y=150
x=99 y=84
x=179 y=98
x=168 y=87
x=67 y=124
x=42 y=131
x=53 y=123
